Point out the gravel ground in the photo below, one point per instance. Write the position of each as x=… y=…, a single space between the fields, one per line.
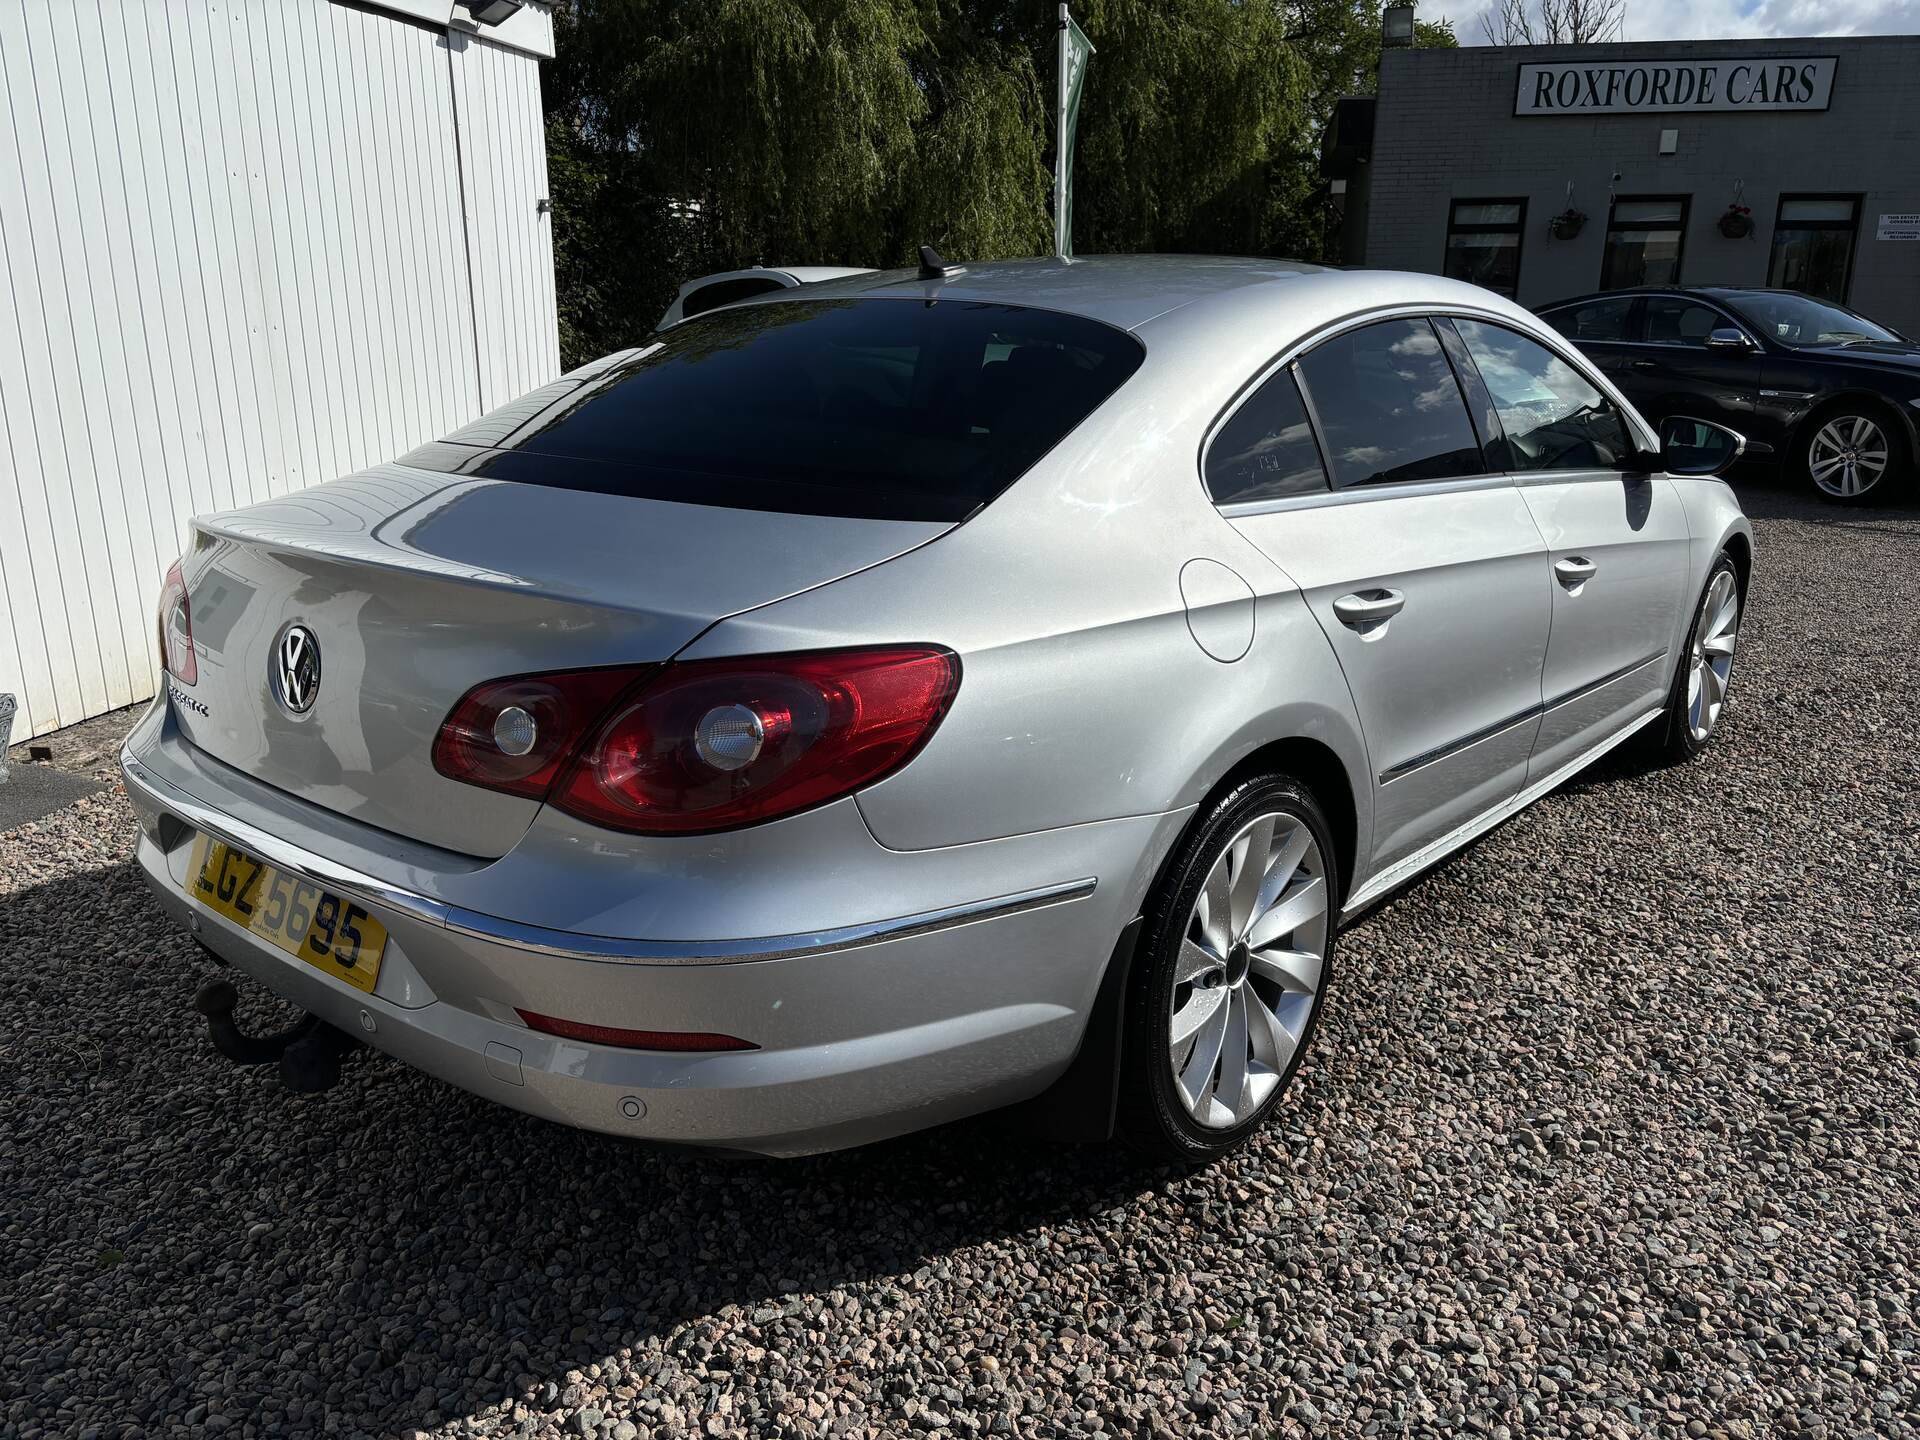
x=1613 y=1128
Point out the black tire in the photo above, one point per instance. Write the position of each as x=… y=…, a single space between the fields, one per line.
x=1845 y=413
x=1671 y=738
x=1151 y=1117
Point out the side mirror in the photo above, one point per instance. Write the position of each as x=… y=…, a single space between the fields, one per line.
x=1698 y=447
x=1729 y=339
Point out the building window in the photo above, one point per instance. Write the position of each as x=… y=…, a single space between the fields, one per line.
x=1813 y=244
x=1643 y=241
x=1483 y=243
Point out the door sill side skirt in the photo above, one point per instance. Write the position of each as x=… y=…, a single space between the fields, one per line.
x=1401 y=871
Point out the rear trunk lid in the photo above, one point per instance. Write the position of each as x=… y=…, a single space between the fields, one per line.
x=417 y=585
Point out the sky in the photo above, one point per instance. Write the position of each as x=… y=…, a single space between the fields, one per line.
x=1721 y=19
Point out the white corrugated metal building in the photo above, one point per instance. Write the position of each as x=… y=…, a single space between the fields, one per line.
x=245 y=246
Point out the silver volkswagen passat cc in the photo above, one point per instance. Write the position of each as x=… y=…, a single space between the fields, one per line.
x=881 y=702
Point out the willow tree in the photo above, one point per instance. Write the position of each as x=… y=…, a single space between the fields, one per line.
x=694 y=135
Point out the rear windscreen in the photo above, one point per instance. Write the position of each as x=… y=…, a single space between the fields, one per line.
x=876 y=408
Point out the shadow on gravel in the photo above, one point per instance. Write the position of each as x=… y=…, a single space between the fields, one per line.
x=395 y=1248
x=1773 y=497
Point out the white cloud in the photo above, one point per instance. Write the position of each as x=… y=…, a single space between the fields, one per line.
x=1721 y=19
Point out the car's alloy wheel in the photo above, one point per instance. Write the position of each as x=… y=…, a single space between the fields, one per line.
x=1716 y=632
x=1697 y=698
x=1249 y=972
x=1848 y=456
x=1231 y=972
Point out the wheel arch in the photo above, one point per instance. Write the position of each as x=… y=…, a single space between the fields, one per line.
x=1739 y=547
x=1082 y=1104
x=1853 y=397
x=1315 y=765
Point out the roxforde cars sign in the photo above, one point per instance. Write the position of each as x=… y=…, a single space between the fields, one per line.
x=1580 y=87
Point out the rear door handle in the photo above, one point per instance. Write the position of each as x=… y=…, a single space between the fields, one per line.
x=1574 y=571
x=1365 y=609
x=1646 y=364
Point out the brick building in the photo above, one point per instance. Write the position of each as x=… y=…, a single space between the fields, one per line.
x=1468 y=159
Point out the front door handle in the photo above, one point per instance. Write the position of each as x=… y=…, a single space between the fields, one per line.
x=1574 y=571
x=1646 y=364
x=1366 y=610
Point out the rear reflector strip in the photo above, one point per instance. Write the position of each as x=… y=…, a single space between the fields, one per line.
x=633 y=1039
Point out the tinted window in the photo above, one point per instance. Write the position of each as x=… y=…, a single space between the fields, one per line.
x=1800 y=320
x=1673 y=320
x=1266 y=449
x=889 y=409
x=1643 y=243
x=1600 y=320
x=724 y=292
x=1483 y=242
x=1553 y=419
x=1388 y=406
x=1812 y=247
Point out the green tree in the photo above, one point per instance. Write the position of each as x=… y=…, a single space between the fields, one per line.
x=1338 y=42
x=687 y=136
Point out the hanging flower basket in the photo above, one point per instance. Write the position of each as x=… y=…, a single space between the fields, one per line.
x=1737 y=222
x=1566 y=224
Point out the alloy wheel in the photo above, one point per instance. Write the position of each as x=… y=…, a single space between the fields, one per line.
x=1249 y=972
x=1848 y=456
x=1715 y=635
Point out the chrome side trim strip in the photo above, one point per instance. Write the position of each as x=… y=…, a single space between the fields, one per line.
x=566 y=944
x=1397 y=874
x=1454 y=747
x=1567 y=696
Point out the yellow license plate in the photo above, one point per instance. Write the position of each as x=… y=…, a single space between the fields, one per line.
x=309 y=923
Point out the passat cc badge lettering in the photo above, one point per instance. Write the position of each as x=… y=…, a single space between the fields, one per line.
x=296 y=668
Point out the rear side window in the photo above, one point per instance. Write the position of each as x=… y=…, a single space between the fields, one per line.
x=1266 y=449
x=871 y=408
x=1552 y=417
x=1388 y=406
x=1599 y=320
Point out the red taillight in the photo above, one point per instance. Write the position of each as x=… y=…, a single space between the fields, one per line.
x=709 y=745
x=633 y=1039
x=176 y=629
x=718 y=744
x=516 y=735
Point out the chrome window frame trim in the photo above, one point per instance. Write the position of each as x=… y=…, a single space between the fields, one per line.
x=1461 y=484
x=199 y=817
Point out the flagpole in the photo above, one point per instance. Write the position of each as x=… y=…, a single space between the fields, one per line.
x=1061 y=239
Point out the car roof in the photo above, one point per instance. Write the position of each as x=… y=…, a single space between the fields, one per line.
x=1128 y=291
x=1631 y=291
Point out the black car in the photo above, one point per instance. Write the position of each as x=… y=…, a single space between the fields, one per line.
x=1814 y=387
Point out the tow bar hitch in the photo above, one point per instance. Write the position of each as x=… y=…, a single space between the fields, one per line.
x=308 y=1052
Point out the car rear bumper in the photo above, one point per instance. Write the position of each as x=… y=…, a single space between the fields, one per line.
x=864 y=1030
